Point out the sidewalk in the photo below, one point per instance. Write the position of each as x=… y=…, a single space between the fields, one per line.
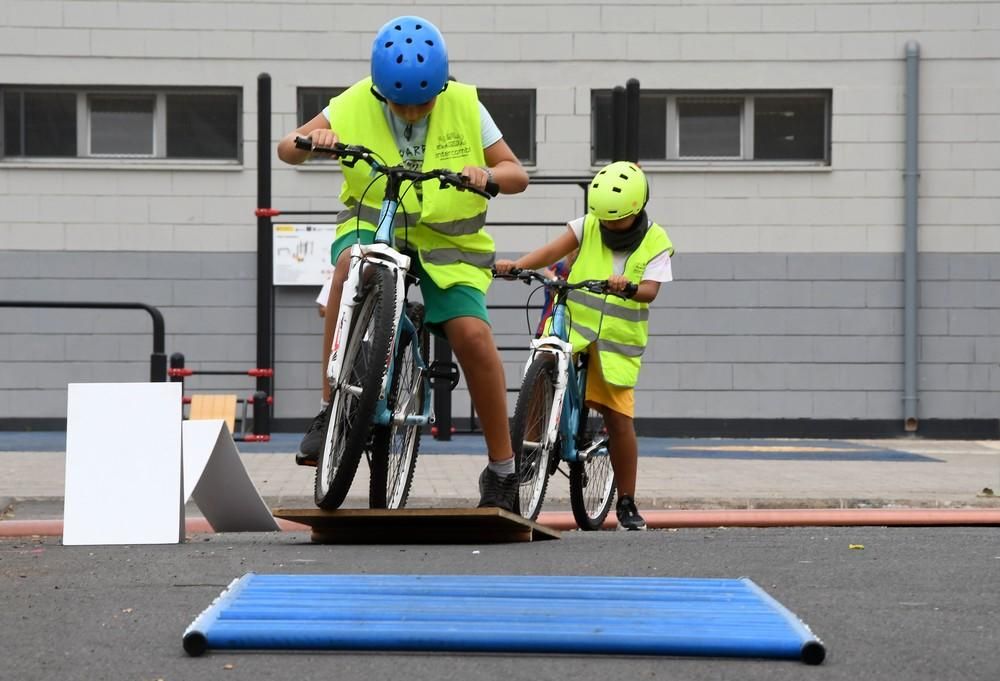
x=673 y=474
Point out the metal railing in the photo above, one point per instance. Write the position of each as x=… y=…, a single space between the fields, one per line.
x=157 y=359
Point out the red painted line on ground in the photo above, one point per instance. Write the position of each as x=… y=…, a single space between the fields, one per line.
x=806 y=517
x=853 y=517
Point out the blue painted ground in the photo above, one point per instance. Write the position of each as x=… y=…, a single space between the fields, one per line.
x=675 y=448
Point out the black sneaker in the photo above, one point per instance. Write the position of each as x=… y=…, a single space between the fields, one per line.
x=628 y=514
x=501 y=492
x=314 y=439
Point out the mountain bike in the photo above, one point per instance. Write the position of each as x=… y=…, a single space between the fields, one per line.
x=552 y=423
x=379 y=378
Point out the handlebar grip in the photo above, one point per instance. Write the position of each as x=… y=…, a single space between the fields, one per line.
x=630 y=290
x=492 y=188
x=303 y=143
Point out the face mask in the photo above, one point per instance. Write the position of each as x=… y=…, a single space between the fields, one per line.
x=626 y=240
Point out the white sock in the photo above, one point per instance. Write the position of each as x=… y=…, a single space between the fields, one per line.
x=505 y=467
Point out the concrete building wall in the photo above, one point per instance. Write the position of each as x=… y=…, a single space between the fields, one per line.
x=788 y=299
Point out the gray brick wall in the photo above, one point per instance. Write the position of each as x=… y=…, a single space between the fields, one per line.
x=729 y=339
x=788 y=299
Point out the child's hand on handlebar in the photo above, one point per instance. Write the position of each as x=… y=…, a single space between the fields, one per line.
x=476 y=176
x=617 y=283
x=323 y=137
x=504 y=268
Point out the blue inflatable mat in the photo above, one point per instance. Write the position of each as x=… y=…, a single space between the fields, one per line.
x=501 y=614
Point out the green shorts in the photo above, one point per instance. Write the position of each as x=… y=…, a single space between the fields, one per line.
x=440 y=304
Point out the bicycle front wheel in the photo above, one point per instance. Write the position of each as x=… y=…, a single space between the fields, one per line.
x=366 y=353
x=395 y=446
x=528 y=433
x=591 y=482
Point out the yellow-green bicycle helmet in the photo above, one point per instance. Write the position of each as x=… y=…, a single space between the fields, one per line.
x=618 y=190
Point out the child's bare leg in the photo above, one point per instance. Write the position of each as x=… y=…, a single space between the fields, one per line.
x=623 y=447
x=473 y=345
x=332 y=312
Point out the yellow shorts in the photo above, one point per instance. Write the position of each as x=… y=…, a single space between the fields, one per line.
x=616 y=398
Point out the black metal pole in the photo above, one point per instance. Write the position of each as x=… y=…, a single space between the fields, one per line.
x=265 y=288
x=632 y=120
x=618 y=115
x=442 y=391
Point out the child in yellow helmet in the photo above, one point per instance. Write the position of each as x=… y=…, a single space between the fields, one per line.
x=618 y=242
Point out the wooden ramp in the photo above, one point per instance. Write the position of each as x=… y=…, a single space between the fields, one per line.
x=209 y=406
x=417 y=526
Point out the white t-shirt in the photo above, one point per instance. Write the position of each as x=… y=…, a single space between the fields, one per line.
x=658 y=269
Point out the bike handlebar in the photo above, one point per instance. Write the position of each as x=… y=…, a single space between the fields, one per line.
x=598 y=286
x=350 y=154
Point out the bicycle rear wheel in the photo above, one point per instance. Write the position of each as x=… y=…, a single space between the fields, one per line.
x=527 y=433
x=366 y=352
x=591 y=482
x=395 y=446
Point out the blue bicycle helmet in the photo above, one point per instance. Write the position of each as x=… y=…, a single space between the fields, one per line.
x=409 y=61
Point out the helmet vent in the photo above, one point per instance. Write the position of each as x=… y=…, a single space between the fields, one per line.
x=616 y=190
x=423 y=83
x=388 y=44
x=623 y=176
x=399 y=86
x=419 y=26
x=409 y=40
x=420 y=58
x=398 y=27
x=399 y=59
x=594 y=184
x=430 y=42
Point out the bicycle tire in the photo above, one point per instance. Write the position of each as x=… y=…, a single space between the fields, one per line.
x=395 y=448
x=531 y=417
x=592 y=482
x=366 y=353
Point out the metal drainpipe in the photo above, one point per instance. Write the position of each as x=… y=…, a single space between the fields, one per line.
x=911 y=174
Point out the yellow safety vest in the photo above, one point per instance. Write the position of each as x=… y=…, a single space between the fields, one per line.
x=620 y=327
x=445 y=227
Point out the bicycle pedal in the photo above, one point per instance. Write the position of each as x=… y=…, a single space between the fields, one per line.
x=444 y=371
x=594 y=448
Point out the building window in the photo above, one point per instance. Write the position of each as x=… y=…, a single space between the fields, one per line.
x=692 y=127
x=313 y=100
x=120 y=123
x=512 y=110
x=39 y=123
x=514 y=113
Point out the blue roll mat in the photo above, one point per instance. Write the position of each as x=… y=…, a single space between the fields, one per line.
x=503 y=614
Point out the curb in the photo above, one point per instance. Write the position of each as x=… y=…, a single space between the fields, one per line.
x=889 y=517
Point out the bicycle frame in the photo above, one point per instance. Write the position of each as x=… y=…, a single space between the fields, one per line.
x=567 y=402
x=382 y=254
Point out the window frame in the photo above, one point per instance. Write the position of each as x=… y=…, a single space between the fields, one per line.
x=746 y=159
x=84 y=153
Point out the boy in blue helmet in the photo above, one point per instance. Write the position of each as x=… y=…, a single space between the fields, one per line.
x=409 y=112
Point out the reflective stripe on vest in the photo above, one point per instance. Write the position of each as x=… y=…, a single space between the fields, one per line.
x=618 y=326
x=449 y=256
x=629 y=315
x=454 y=248
x=371 y=215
